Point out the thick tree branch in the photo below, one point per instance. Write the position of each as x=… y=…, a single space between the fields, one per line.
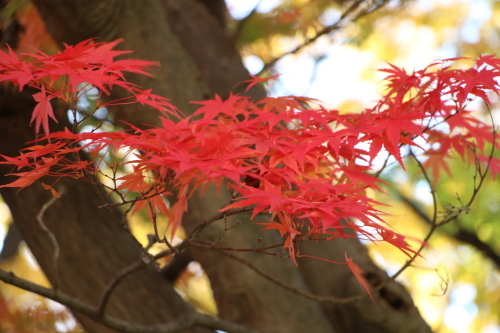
x=117 y=324
x=178 y=264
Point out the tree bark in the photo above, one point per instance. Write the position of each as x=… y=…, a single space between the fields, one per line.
x=93 y=245
x=197 y=59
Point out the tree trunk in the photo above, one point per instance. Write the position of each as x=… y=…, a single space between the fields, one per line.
x=197 y=60
x=93 y=245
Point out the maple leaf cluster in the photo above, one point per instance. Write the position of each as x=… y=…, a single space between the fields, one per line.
x=308 y=167
x=70 y=73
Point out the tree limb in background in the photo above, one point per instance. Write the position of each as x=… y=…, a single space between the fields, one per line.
x=471 y=238
x=121 y=325
x=354 y=12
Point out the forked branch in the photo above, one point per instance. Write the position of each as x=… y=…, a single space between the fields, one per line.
x=191 y=320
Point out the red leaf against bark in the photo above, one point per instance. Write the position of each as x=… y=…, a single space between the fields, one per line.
x=309 y=168
x=14 y=70
x=43 y=111
x=358 y=273
x=256 y=80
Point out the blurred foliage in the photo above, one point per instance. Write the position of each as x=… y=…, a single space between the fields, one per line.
x=410 y=34
x=29 y=26
x=24 y=312
x=35 y=315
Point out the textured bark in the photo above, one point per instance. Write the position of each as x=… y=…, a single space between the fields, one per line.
x=197 y=60
x=241 y=294
x=94 y=246
x=394 y=312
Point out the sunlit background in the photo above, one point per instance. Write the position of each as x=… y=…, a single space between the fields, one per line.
x=456 y=287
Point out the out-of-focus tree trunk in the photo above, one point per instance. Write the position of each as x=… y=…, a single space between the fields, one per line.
x=197 y=60
x=93 y=245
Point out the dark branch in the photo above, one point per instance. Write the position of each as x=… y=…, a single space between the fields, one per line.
x=11 y=242
x=193 y=319
x=471 y=238
x=178 y=264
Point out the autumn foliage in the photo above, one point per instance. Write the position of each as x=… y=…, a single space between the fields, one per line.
x=39 y=315
x=308 y=167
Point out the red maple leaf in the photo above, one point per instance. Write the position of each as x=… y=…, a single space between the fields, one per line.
x=307 y=168
x=358 y=273
x=257 y=79
x=43 y=110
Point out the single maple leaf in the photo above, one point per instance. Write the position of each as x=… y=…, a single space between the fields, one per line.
x=28 y=178
x=256 y=80
x=53 y=191
x=178 y=209
x=397 y=240
x=358 y=273
x=42 y=112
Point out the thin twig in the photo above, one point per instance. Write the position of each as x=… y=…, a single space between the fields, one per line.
x=52 y=237
x=233 y=249
x=215 y=217
x=455 y=213
x=295 y=290
x=433 y=222
x=354 y=9
x=157 y=235
x=490 y=158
